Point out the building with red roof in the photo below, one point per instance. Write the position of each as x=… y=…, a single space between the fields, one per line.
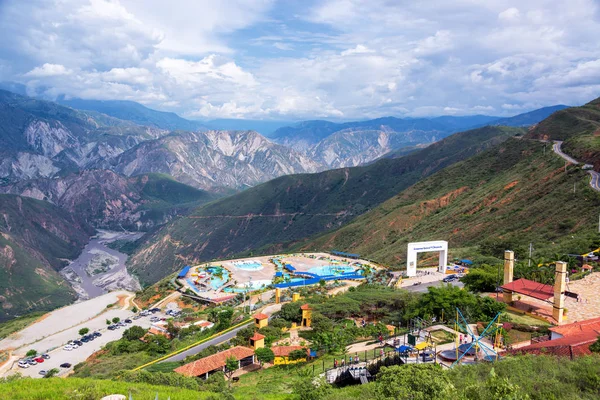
x=529 y=288
x=203 y=367
x=576 y=328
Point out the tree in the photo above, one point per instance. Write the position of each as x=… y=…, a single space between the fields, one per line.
x=108 y=322
x=414 y=382
x=296 y=355
x=595 y=347
x=482 y=279
x=231 y=365
x=116 y=320
x=291 y=312
x=31 y=353
x=83 y=331
x=264 y=355
x=159 y=345
x=134 y=309
x=134 y=333
x=172 y=329
x=51 y=373
x=308 y=388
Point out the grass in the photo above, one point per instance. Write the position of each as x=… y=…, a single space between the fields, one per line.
x=19 y=323
x=89 y=389
x=304 y=205
x=525 y=319
x=512 y=194
x=441 y=336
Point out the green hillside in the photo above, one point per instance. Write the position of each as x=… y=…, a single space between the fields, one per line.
x=295 y=207
x=514 y=194
x=578 y=127
x=35 y=240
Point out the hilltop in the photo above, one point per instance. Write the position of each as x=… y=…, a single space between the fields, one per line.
x=512 y=194
x=295 y=207
x=578 y=127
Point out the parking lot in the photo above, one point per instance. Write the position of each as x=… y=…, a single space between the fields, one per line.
x=53 y=343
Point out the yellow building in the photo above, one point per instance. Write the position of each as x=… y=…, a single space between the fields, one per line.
x=295 y=296
x=257 y=341
x=306 y=315
x=260 y=320
x=282 y=354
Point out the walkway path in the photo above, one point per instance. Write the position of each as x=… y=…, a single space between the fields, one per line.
x=595 y=176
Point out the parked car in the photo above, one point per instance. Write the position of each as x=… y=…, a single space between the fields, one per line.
x=111 y=328
x=128 y=321
x=155 y=310
x=31 y=361
x=23 y=364
x=65 y=365
x=43 y=372
x=46 y=356
x=136 y=317
x=450 y=278
x=78 y=343
x=97 y=334
x=39 y=360
x=68 y=347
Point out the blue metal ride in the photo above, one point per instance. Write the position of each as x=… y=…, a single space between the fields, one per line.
x=476 y=340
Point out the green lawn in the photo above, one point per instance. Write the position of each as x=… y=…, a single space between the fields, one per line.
x=524 y=319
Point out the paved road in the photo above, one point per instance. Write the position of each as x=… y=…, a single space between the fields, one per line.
x=594 y=176
x=213 y=342
x=269 y=310
x=556 y=148
x=422 y=288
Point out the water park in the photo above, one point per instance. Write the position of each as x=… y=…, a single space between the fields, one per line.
x=222 y=280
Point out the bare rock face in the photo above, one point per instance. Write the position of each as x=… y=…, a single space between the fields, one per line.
x=213 y=159
x=118 y=280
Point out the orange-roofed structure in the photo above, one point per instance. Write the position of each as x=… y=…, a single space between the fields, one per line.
x=529 y=288
x=203 y=367
x=576 y=328
x=260 y=320
x=568 y=346
x=257 y=341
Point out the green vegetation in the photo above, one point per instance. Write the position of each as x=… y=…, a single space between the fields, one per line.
x=83 y=331
x=511 y=195
x=36 y=237
x=578 y=127
x=19 y=323
x=31 y=353
x=295 y=207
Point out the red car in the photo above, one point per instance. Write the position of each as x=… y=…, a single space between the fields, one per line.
x=39 y=360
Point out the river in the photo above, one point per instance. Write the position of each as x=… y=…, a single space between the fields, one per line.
x=100 y=269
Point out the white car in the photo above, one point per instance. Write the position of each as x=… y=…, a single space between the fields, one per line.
x=68 y=347
x=23 y=364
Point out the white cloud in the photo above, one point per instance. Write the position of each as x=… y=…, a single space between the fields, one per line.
x=48 y=70
x=334 y=58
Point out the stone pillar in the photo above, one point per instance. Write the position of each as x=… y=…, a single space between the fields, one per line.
x=560 y=283
x=509 y=265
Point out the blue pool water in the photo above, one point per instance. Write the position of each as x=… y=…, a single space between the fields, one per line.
x=216 y=281
x=243 y=287
x=331 y=270
x=248 y=265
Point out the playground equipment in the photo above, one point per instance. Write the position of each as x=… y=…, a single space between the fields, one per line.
x=476 y=345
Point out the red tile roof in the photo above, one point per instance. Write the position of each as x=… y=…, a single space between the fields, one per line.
x=284 y=351
x=589 y=325
x=530 y=288
x=214 y=362
x=260 y=316
x=257 y=336
x=305 y=307
x=569 y=346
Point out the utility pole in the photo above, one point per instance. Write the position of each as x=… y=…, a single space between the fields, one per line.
x=575 y=183
x=530 y=252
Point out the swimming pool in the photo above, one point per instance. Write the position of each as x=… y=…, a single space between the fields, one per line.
x=248 y=265
x=217 y=281
x=327 y=270
x=253 y=285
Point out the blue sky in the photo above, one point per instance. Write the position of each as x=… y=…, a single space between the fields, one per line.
x=330 y=59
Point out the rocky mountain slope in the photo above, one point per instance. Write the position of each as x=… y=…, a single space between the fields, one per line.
x=578 y=127
x=512 y=194
x=360 y=142
x=35 y=239
x=294 y=207
x=105 y=199
x=213 y=160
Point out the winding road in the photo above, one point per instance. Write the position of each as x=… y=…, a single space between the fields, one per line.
x=595 y=176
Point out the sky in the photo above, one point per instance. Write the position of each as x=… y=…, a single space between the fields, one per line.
x=304 y=59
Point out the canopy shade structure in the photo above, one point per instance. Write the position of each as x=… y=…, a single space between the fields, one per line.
x=468 y=262
x=344 y=254
x=529 y=288
x=184 y=271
